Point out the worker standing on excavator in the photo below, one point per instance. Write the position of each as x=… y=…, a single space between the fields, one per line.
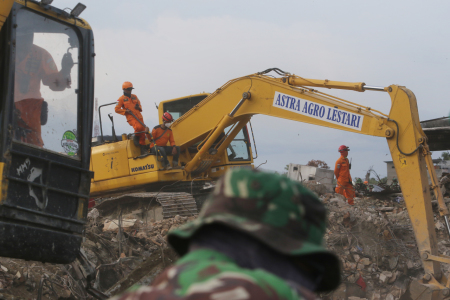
x=162 y=134
x=130 y=103
x=342 y=173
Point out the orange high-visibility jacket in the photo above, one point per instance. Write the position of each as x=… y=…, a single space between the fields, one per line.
x=162 y=141
x=125 y=102
x=36 y=66
x=342 y=170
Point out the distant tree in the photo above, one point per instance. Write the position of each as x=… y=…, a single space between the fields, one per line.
x=383 y=180
x=318 y=164
x=287 y=169
x=445 y=155
x=373 y=181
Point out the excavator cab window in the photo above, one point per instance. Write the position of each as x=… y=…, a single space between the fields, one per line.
x=46 y=84
x=177 y=108
x=46 y=101
x=238 y=150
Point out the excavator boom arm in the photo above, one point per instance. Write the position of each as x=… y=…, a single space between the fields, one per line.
x=292 y=98
x=273 y=97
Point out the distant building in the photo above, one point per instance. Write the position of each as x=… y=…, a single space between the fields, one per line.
x=310 y=173
x=438 y=133
x=439 y=165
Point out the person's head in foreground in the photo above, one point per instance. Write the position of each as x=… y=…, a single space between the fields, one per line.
x=258 y=236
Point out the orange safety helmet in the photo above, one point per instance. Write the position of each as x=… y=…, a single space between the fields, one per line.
x=343 y=148
x=127 y=85
x=167 y=117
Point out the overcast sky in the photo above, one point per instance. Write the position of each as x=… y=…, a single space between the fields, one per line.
x=170 y=49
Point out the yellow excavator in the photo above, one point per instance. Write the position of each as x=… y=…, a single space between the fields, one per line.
x=211 y=132
x=47 y=93
x=46 y=125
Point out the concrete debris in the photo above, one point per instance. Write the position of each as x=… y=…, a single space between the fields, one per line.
x=113 y=225
x=136 y=254
x=119 y=258
x=375 y=241
x=439 y=225
x=93 y=214
x=385 y=209
x=316 y=187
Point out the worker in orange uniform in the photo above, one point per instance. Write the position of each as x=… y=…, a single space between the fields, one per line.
x=162 y=134
x=34 y=65
x=342 y=173
x=130 y=103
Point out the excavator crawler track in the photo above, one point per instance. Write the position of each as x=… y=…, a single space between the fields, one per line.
x=172 y=204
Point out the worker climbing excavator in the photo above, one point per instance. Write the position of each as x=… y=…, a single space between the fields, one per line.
x=225 y=114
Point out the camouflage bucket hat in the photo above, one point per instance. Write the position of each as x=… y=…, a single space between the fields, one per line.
x=275 y=210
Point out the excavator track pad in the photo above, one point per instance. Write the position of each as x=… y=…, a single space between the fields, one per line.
x=157 y=205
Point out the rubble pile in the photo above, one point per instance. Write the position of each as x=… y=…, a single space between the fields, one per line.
x=375 y=241
x=444 y=183
x=24 y=280
x=120 y=246
x=124 y=250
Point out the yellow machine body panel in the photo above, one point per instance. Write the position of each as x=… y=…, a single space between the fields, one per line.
x=110 y=161
x=117 y=166
x=80 y=22
x=5 y=9
x=136 y=180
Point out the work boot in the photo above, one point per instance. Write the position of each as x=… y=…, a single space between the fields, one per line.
x=175 y=165
x=144 y=149
x=167 y=166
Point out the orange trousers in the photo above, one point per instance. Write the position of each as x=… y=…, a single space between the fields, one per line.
x=346 y=189
x=30 y=120
x=138 y=128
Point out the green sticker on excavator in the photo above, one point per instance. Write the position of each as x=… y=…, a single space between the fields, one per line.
x=69 y=143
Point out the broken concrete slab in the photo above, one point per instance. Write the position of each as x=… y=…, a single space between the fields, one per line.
x=113 y=225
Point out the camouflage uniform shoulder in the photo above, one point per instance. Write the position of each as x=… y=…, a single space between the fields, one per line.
x=208 y=274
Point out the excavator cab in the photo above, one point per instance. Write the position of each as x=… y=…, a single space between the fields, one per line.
x=47 y=87
x=238 y=154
